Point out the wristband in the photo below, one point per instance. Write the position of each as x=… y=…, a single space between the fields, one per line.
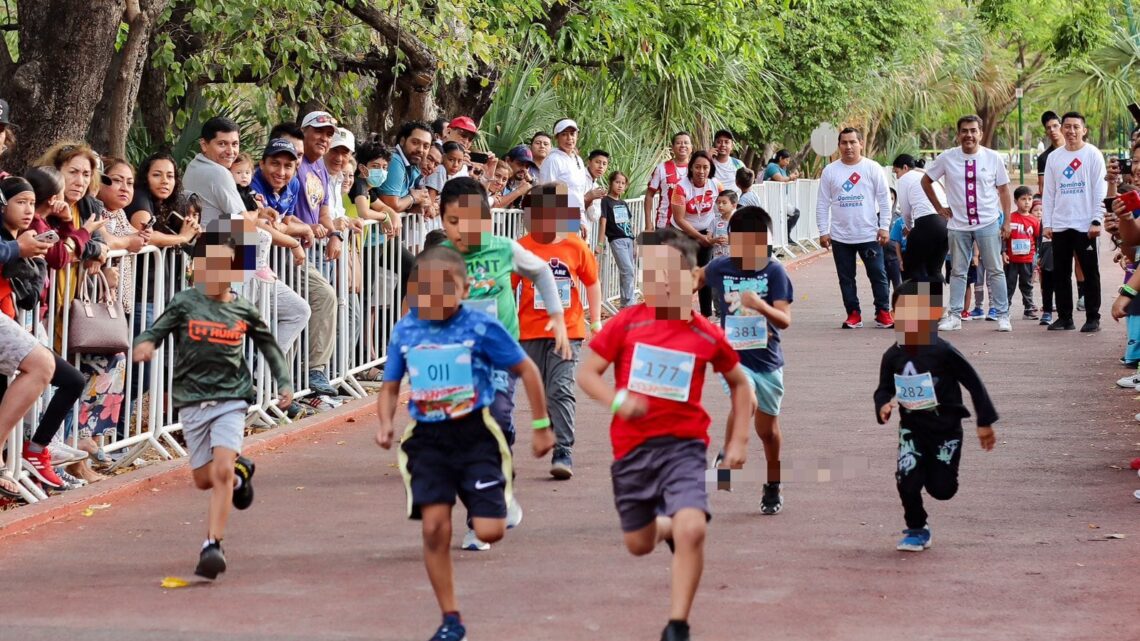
x=540 y=423
x=619 y=400
x=337 y=235
x=596 y=326
x=1128 y=291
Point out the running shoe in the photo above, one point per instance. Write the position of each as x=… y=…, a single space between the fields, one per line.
x=451 y=630
x=562 y=467
x=298 y=411
x=472 y=543
x=965 y=315
x=243 y=469
x=63 y=454
x=1062 y=324
x=1081 y=304
x=211 y=562
x=914 y=540
x=1129 y=382
x=39 y=464
x=1004 y=325
x=950 y=324
x=1136 y=494
x=70 y=482
x=319 y=383
x=883 y=319
x=676 y=631
x=321 y=403
x=992 y=315
x=1046 y=318
x=1029 y=314
x=854 y=321
x=514 y=513
x=1090 y=327
x=772 y=501
x=977 y=313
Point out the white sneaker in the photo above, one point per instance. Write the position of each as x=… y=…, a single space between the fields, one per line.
x=514 y=513
x=1129 y=382
x=951 y=323
x=1136 y=494
x=1004 y=325
x=472 y=542
x=63 y=454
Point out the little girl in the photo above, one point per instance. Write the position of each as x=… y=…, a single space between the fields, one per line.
x=498 y=184
x=725 y=205
x=242 y=171
x=616 y=227
x=453 y=166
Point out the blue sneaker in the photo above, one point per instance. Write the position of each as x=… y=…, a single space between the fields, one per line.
x=1046 y=319
x=450 y=630
x=915 y=540
x=319 y=383
x=992 y=314
x=977 y=313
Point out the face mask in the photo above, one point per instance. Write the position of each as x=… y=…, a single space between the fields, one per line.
x=376 y=177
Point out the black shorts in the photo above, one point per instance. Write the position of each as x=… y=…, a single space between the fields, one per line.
x=467 y=457
x=659 y=477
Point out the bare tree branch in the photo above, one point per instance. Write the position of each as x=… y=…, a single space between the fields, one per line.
x=422 y=60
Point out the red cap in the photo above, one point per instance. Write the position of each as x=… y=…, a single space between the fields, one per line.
x=465 y=123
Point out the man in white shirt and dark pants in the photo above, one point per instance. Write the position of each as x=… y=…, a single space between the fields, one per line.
x=853 y=214
x=1073 y=204
x=977 y=188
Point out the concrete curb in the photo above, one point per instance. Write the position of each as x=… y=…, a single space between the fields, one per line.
x=69 y=505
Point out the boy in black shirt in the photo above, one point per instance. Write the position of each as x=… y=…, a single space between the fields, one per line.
x=924 y=372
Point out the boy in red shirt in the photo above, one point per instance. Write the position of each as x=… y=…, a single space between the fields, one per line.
x=553 y=237
x=660 y=430
x=1017 y=255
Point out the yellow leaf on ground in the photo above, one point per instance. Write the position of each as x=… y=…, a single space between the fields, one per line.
x=88 y=512
x=172 y=582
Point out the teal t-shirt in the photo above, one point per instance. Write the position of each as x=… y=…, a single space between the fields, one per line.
x=489 y=269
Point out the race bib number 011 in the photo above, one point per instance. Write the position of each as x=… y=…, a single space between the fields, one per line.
x=442 y=384
x=660 y=372
x=916 y=392
x=746 y=332
x=563 y=294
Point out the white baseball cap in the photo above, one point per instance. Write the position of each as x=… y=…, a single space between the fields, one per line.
x=318 y=119
x=564 y=124
x=343 y=138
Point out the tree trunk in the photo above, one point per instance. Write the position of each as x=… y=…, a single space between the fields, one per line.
x=65 y=51
x=468 y=96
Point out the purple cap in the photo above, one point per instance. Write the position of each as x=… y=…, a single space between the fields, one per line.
x=521 y=153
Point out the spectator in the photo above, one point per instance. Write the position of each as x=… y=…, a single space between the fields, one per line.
x=664 y=178
x=338 y=161
x=292 y=132
x=7 y=137
x=437 y=128
x=565 y=165
x=242 y=171
x=616 y=228
x=521 y=160
x=452 y=166
x=694 y=212
x=926 y=240
x=52 y=209
x=208 y=174
x=725 y=164
x=412 y=143
x=19 y=352
x=1052 y=124
x=745 y=182
x=777 y=169
x=540 y=147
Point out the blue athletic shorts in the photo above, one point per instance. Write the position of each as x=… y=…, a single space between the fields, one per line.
x=769 y=388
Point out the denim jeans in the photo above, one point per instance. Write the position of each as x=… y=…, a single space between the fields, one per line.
x=622 y=249
x=872 y=255
x=989 y=243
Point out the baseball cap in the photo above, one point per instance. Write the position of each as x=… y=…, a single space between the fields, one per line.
x=318 y=119
x=4 y=112
x=521 y=153
x=465 y=123
x=279 y=146
x=724 y=133
x=343 y=138
x=563 y=125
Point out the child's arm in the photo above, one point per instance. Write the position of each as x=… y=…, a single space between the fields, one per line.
x=983 y=406
x=591 y=381
x=543 y=439
x=1120 y=305
x=743 y=408
x=266 y=343
x=606 y=209
x=536 y=269
x=885 y=391
x=898 y=252
x=386 y=402
x=778 y=313
x=171 y=319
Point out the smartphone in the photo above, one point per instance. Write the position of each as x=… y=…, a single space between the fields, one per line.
x=148 y=225
x=1125 y=165
x=49 y=236
x=479 y=157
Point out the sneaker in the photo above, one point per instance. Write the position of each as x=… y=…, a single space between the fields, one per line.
x=1046 y=318
x=63 y=454
x=1129 y=364
x=772 y=501
x=514 y=513
x=1004 y=325
x=914 y=540
x=1061 y=324
x=977 y=313
x=676 y=631
x=321 y=403
x=472 y=543
x=562 y=467
x=1029 y=314
x=319 y=383
x=992 y=315
x=211 y=562
x=1129 y=382
x=69 y=482
x=950 y=324
x=965 y=315
x=451 y=630
x=39 y=464
x=298 y=411
x=1090 y=327
x=1136 y=494
x=883 y=319
x=854 y=321
x=243 y=469
x=1081 y=304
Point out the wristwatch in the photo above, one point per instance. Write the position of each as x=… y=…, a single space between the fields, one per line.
x=337 y=235
x=1127 y=291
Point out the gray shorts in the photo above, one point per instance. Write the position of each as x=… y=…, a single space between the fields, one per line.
x=659 y=477
x=212 y=424
x=15 y=345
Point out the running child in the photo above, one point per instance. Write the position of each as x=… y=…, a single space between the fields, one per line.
x=924 y=373
x=490 y=262
x=725 y=205
x=617 y=230
x=1017 y=254
x=213 y=387
x=660 y=350
x=453 y=447
x=553 y=237
x=753 y=295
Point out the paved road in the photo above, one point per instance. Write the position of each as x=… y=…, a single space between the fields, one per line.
x=325 y=553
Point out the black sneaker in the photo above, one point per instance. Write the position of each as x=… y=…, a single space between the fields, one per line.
x=676 y=631
x=451 y=630
x=1090 y=327
x=243 y=496
x=772 y=501
x=211 y=562
x=1062 y=324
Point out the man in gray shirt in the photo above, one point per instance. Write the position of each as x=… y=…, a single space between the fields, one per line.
x=208 y=174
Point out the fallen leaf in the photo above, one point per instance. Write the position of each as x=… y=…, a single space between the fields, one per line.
x=172 y=582
x=1115 y=467
x=1114 y=536
x=341 y=442
x=350 y=419
x=1094 y=526
x=300 y=487
x=88 y=512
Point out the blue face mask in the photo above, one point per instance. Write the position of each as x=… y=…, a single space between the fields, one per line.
x=376 y=177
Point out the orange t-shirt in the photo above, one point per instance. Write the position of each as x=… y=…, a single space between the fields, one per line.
x=573 y=265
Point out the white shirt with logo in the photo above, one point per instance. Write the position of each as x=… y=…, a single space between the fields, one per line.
x=700 y=203
x=854 y=202
x=1074 y=189
x=971 y=182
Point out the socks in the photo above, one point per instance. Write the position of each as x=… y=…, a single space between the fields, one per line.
x=238 y=482
x=208 y=542
x=679 y=624
x=35 y=448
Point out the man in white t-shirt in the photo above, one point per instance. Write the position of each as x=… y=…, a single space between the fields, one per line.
x=853 y=214
x=725 y=165
x=977 y=188
x=664 y=178
x=565 y=165
x=1073 y=214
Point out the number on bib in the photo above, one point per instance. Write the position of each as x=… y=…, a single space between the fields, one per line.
x=488 y=306
x=746 y=332
x=916 y=392
x=621 y=214
x=442 y=382
x=660 y=372
x=1020 y=246
x=563 y=294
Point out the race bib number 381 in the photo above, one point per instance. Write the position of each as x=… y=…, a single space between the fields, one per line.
x=660 y=372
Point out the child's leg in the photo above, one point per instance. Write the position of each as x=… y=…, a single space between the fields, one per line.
x=221 y=471
x=643 y=541
x=688 y=533
x=768 y=429
x=1026 y=285
x=969 y=297
x=910 y=476
x=213 y=433
x=437 y=554
x=1011 y=275
x=1047 y=291
x=1132 y=350
x=942 y=452
x=503 y=407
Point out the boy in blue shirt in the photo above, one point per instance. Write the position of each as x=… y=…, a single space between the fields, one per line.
x=753 y=295
x=453 y=446
x=896 y=245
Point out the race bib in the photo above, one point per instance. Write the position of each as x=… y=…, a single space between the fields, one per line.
x=488 y=306
x=621 y=214
x=442 y=384
x=1020 y=246
x=660 y=372
x=563 y=294
x=746 y=332
x=916 y=392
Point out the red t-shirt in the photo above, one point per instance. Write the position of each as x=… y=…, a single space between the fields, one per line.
x=670 y=373
x=1023 y=232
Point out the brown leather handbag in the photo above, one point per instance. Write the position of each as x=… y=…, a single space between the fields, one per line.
x=97 y=324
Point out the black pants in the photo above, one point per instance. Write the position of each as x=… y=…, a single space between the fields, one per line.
x=928 y=458
x=926 y=248
x=1020 y=275
x=1047 y=291
x=68 y=383
x=704 y=294
x=1066 y=243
